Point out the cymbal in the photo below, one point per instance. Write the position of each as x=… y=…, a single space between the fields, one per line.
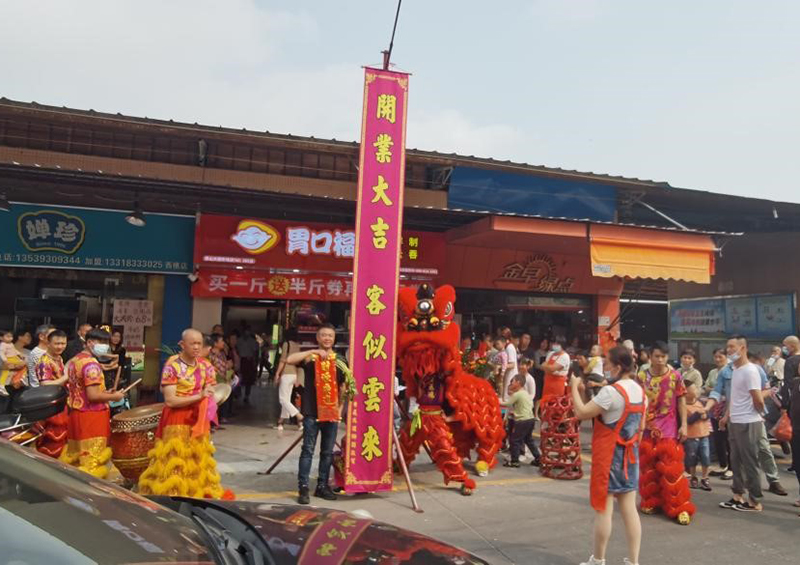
x=221 y=392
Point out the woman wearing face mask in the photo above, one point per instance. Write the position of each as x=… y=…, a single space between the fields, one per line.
x=556 y=369
x=774 y=367
x=619 y=410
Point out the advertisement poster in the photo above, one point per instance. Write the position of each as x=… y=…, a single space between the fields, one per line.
x=775 y=315
x=740 y=315
x=765 y=317
x=689 y=318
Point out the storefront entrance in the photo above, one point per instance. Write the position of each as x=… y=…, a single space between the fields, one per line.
x=272 y=317
x=541 y=316
x=63 y=298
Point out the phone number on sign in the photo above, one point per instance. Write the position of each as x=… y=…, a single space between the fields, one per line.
x=53 y=259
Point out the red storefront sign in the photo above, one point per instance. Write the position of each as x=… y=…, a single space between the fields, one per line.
x=260 y=284
x=241 y=257
x=228 y=241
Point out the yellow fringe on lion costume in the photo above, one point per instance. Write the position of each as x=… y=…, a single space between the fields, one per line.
x=182 y=461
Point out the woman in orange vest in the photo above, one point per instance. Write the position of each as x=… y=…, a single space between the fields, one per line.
x=556 y=369
x=619 y=411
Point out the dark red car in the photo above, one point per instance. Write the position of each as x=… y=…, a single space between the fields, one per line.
x=51 y=513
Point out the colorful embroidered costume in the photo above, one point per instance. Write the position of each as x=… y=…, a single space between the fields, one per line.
x=182 y=462
x=89 y=425
x=458 y=412
x=662 y=483
x=54 y=438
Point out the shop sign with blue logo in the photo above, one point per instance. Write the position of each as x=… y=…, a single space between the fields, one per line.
x=79 y=238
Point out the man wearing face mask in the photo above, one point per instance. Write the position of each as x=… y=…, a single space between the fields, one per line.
x=775 y=365
x=722 y=394
x=791 y=349
x=746 y=427
x=89 y=416
x=790 y=392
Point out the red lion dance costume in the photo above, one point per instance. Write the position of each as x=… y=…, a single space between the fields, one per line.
x=662 y=484
x=458 y=412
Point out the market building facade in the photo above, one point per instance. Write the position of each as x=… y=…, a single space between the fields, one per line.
x=542 y=250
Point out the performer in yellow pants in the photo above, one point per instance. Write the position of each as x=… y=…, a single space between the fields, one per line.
x=89 y=424
x=182 y=461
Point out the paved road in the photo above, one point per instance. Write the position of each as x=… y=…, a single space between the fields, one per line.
x=516 y=516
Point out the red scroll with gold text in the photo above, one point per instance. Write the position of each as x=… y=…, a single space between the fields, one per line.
x=379 y=219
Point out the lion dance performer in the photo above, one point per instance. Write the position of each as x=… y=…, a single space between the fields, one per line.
x=50 y=372
x=182 y=460
x=662 y=483
x=458 y=412
x=89 y=424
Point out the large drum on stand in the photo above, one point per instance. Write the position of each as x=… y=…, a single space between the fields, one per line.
x=133 y=434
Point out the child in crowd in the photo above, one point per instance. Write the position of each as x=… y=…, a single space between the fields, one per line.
x=521 y=405
x=499 y=360
x=687 y=370
x=13 y=366
x=595 y=375
x=697 y=444
x=7 y=348
x=525 y=366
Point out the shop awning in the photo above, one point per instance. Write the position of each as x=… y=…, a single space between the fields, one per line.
x=618 y=251
x=507 y=232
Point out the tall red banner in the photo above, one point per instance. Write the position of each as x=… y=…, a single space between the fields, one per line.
x=379 y=220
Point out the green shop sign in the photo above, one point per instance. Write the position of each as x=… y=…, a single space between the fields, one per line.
x=82 y=238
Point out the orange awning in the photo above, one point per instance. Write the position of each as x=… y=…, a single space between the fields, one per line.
x=619 y=251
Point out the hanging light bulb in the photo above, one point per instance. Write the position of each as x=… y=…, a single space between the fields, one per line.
x=136 y=217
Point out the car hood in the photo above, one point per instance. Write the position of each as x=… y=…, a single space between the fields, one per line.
x=51 y=513
x=317 y=536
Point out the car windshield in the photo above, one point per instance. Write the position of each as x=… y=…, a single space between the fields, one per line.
x=51 y=513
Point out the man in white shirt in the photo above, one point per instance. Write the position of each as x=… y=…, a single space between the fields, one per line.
x=745 y=428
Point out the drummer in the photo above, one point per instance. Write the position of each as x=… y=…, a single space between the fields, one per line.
x=182 y=462
x=89 y=415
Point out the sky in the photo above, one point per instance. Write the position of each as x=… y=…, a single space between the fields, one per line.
x=703 y=94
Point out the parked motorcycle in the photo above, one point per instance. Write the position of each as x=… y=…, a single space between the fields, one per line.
x=22 y=420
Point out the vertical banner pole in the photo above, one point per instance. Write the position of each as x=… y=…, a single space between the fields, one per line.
x=376 y=277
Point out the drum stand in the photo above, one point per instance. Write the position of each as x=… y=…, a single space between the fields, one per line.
x=395 y=440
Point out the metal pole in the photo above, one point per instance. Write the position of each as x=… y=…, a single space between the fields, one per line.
x=403 y=466
x=283 y=456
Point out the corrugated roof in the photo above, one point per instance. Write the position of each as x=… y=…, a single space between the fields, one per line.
x=466 y=159
x=440 y=210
